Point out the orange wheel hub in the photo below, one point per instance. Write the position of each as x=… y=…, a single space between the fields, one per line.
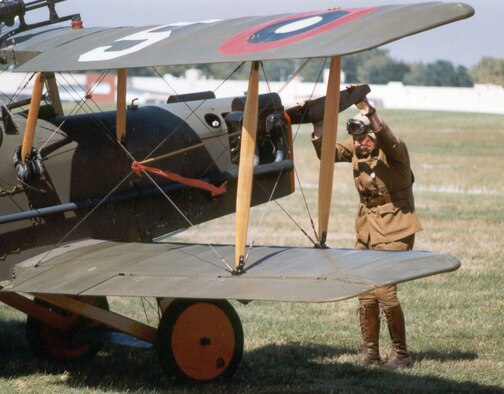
x=203 y=341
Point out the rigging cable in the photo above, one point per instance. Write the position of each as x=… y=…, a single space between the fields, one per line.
x=162 y=191
x=295 y=170
x=192 y=110
x=157 y=186
x=79 y=105
x=83 y=101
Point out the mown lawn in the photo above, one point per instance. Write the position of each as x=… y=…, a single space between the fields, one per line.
x=454 y=321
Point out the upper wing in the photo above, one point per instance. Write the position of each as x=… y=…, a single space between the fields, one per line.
x=195 y=271
x=326 y=33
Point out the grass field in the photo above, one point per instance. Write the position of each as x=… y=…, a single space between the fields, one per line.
x=454 y=321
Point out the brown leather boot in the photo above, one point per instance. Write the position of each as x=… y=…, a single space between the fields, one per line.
x=369 y=316
x=399 y=357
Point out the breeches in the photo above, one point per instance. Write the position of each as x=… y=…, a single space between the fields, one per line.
x=385 y=296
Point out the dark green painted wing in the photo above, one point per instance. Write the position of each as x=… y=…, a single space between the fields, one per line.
x=311 y=34
x=195 y=271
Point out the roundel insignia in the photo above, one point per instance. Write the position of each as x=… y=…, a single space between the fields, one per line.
x=293 y=28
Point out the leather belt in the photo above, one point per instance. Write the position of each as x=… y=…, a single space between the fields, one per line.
x=374 y=201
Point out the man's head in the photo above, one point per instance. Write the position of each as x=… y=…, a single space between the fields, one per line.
x=364 y=139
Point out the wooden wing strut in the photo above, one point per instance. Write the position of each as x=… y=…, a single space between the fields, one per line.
x=330 y=129
x=122 y=75
x=31 y=122
x=246 y=166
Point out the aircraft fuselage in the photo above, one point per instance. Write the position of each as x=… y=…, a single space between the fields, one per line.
x=88 y=188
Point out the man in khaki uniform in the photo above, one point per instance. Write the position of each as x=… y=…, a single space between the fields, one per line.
x=386 y=219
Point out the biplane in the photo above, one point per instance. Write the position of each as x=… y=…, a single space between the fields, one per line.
x=85 y=197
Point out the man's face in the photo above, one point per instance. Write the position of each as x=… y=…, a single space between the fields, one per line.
x=363 y=145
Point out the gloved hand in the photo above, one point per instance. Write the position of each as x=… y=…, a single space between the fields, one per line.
x=317 y=129
x=365 y=108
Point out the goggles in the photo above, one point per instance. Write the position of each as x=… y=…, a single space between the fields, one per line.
x=357 y=128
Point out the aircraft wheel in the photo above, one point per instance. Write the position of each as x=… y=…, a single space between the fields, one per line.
x=200 y=340
x=49 y=343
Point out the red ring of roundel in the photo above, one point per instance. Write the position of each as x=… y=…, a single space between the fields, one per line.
x=239 y=44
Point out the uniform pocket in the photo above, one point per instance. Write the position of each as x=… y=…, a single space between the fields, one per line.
x=394 y=218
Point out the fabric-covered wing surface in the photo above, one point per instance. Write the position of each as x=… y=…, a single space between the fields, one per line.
x=311 y=34
x=195 y=271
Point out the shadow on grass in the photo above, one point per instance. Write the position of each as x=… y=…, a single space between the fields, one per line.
x=444 y=356
x=292 y=367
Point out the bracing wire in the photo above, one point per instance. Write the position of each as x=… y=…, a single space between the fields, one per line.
x=192 y=111
x=186 y=219
x=312 y=223
x=79 y=105
x=83 y=103
x=294 y=75
x=146 y=302
x=295 y=170
x=152 y=180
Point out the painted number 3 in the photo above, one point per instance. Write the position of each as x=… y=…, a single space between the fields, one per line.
x=127 y=45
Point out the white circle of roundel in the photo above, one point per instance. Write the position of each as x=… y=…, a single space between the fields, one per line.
x=298 y=25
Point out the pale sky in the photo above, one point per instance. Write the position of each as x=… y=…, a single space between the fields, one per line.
x=463 y=42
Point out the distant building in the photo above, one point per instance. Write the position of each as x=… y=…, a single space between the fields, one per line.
x=155 y=90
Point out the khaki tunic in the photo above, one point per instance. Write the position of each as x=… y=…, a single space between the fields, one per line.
x=385 y=171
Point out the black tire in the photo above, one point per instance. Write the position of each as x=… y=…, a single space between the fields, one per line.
x=200 y=340
x=50 y=344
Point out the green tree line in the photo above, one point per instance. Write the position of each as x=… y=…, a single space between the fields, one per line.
x=374 y=67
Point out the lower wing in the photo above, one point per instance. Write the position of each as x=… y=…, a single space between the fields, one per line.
x=181 y=270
